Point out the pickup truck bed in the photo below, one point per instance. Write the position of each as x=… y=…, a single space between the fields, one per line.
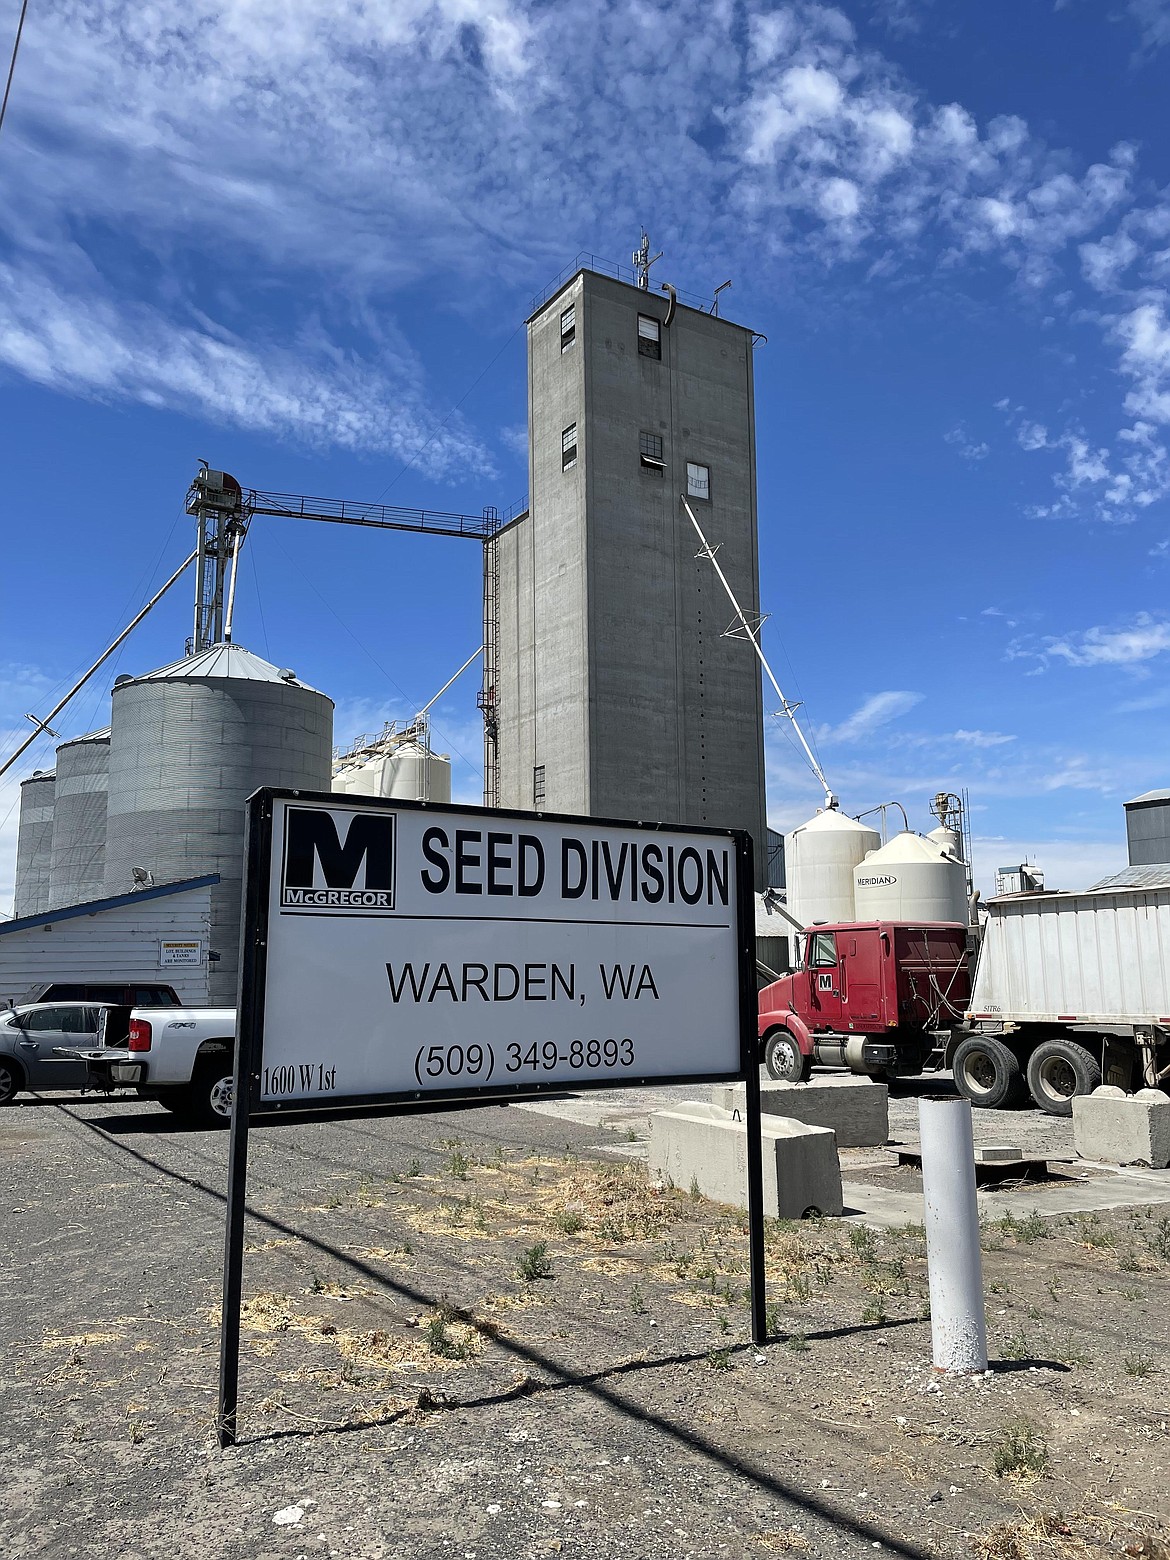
x=182 y=1057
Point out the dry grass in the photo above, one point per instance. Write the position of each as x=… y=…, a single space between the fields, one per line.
x=1048 y=1535
x=782 y=1541
x=86 y=1340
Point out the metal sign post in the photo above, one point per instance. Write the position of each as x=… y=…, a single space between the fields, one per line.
x=407 y=954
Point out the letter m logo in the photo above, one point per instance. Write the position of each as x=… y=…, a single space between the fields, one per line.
x=331 y=864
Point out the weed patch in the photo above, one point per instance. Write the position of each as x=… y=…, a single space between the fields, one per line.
x=1020 y=1453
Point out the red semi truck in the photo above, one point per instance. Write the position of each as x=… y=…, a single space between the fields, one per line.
x=877 y=997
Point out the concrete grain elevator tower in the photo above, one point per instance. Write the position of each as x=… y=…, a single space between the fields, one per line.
x=612 y=689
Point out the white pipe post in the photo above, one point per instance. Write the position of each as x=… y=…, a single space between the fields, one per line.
x=957 y=1323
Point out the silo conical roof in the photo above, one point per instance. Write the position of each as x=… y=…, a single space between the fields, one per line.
x=906 y=847
x=224 y=660
x=90 y=736
x=831 y=821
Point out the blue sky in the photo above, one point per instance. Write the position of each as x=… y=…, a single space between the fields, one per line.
x=299 y=239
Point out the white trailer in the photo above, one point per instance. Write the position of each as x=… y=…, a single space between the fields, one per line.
x=1070 y=989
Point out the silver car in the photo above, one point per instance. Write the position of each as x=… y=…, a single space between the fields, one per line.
x=30 y=1037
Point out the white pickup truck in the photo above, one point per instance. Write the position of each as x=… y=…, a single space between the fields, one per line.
x=181 y=1057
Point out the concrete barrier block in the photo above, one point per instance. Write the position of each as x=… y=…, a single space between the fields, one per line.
x=857 y=1109
x=1123 y=1129
x=701 y=1144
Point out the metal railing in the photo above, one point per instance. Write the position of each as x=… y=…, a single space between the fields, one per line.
x=620 y=273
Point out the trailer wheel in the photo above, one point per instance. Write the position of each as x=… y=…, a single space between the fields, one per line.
x=986 y=1072
x=1059 y=1071
x=784 y=1059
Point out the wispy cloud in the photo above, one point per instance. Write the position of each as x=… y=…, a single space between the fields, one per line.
x=1159 y=700
x=91 y=344
x=1113 y=484
x=1130 y=646
x=373 y=144
x=876 y=711
x=980 y=739
x=969 y=448
x=1153 y=22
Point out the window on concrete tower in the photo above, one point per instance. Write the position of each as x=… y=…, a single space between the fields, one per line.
x=538 y=786
x=649 y=337
x=698 y=480
x=569 y=447
x=650 y=450
x=568 y=327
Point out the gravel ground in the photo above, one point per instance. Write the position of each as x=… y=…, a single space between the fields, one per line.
x=408 y=1391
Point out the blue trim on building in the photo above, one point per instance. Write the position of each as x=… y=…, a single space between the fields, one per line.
x=96 y=906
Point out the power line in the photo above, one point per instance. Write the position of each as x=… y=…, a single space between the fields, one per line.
x=12 y=61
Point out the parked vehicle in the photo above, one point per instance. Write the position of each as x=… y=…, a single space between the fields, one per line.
x=40 y=1046
x=181 y=1057
x=1069 y=990
x=877 y=997
x=135 y=994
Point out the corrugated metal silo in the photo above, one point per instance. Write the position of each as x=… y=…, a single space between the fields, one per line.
x=191 y=742
x=34 y=843
x=78 y=866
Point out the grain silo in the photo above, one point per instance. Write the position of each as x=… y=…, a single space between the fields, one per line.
x=396 y=764
x=911 y=879
x=34 y=843
x=819 y=858
x=191 y=742
x=78 y=864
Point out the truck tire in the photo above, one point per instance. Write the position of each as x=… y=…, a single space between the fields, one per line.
x=207 y=1101
x=784 y=1059
x=1059 y=1071
x=986 y=1072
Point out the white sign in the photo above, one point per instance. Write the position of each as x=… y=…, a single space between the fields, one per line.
x=172 y=953
x=413 y=949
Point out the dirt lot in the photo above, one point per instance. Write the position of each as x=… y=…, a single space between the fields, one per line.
x=478 y=1335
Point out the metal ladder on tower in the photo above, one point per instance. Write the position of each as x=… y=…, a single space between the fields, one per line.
x=486 y=698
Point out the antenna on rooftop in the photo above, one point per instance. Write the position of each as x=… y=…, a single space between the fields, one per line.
x=643 y=261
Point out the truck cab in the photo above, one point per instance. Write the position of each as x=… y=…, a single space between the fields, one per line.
x=870 y=996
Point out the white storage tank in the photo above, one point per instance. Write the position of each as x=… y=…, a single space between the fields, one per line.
x=416 y=775
x=191 y=742
x=402 y=770
x=78 y=867
x=911 y=879
x=947 y=840
x=819 y=858
x=34 y=843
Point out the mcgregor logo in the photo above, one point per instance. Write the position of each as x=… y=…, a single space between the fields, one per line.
x=324 y=873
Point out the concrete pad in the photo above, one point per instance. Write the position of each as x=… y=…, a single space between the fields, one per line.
x=857 y=1109
x=701 y=1144
x=1123 y=1129
x=892 y=1210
